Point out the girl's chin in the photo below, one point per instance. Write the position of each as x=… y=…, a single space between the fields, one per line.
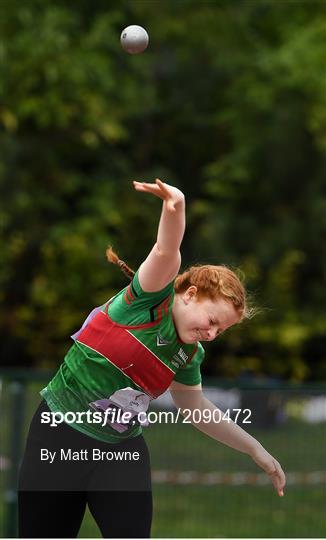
x=190 y=337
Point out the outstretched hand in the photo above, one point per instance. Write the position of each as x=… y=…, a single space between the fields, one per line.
x=272 y=467
x=170 y=194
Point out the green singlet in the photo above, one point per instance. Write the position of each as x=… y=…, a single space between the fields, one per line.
x=130 y=342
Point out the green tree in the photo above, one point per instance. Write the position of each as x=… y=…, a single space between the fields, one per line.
x=228 y=103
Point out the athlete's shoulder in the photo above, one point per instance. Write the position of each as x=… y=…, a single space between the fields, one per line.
x=135 y=286
x=133 y=305
x=135 y=297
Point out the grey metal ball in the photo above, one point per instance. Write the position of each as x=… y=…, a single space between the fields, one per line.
x=134 y=39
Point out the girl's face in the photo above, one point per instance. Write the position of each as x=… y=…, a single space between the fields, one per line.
x=201 y=320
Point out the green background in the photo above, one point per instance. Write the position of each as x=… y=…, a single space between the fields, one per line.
x=227 y=103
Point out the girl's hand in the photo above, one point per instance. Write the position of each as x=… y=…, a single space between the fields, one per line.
x=167 y=193
x=271 y=467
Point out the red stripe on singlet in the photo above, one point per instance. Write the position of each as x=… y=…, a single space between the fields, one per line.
x=128 y=296
x=125 y=296
x=121 y=348
x=130 y=293
x=165 y=305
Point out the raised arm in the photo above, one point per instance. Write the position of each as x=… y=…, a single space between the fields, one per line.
x=163 y=262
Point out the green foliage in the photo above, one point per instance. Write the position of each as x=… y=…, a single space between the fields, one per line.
x=228 y=103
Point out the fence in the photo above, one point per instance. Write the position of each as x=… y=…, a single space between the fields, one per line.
x=202 y=488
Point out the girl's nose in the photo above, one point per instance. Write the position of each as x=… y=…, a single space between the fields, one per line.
x=210 y=334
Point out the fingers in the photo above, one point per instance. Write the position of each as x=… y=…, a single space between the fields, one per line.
x=276 y=483
x=272 y=467
x=159 y=189
x=278 y=478
x=166 y=194
x=162 y=187
x=149 y=187
x=282 y=479
x=142 y=186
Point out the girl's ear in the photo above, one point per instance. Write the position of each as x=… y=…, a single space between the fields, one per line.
x=189 y=294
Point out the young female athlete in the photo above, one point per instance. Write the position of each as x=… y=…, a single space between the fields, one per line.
x=128 y=352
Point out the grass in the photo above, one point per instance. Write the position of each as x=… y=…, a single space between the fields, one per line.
x=237 y=512
x=219 y=511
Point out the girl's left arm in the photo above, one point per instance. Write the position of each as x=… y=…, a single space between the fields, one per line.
x=227 y=432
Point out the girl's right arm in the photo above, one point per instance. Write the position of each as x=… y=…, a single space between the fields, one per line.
x=163 y=262
x=191 y=398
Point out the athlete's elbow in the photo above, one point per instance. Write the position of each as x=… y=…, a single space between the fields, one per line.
x=187 y=401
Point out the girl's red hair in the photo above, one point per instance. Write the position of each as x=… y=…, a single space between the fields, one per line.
x=211 y=281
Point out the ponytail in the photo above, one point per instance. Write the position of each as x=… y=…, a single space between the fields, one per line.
x=113 y=258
